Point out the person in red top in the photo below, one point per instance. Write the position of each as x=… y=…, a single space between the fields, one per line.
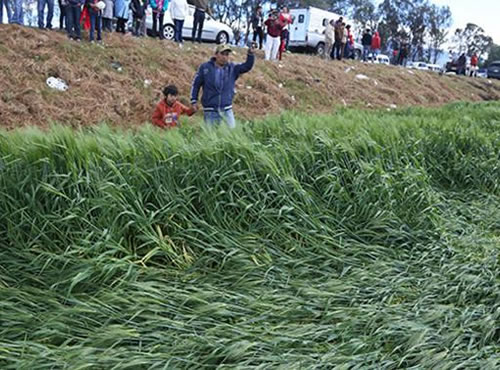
x=349 y=46
x=285 y=19
x=376 y=44
x=274 y=28
x=169 y=110
x=473 y=65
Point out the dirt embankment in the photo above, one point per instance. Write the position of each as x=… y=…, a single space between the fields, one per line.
x=99 y=91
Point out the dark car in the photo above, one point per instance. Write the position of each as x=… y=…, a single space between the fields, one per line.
x=494 y=70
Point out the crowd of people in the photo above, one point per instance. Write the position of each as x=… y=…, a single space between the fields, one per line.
x=339 y=40
x=277 y=26
x=97 y=16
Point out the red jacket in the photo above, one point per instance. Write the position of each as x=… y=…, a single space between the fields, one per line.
x=376 y=42
x=473 y=60
x=274 y=27
x=350 y=38
x=167 y=116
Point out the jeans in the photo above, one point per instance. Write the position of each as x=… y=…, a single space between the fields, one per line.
x=348 y=51
x=8 y=8
x=17 y=12
x=95 y=22
x=178 y=30
x=366 y=51
x=158 y=24
x=41 y=11
x=199 y=19
x=214 y=117
x=375 y=52
x=73 y=13
x=338 y=50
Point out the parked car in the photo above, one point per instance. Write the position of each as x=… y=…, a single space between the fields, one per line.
x=494 y=70
x=380 y=59
x=213 y=31
x=482 y=73
x=434 y=67
x=420 y=66
x=452 y=65
x=308 y=27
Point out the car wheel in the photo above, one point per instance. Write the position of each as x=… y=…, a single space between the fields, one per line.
x=168 y=32
x=222 y=38
x=320 y=49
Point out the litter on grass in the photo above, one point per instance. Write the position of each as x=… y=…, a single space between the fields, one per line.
x=57 y=83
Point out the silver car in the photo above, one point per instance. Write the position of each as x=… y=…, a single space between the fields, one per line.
x=213 y=31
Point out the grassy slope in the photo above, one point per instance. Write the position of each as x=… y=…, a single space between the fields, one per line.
x=356 y=239
x=100 y=93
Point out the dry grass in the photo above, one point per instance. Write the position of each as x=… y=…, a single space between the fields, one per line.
x=100 y=93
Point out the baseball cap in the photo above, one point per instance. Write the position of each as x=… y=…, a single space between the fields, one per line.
x=222 y=48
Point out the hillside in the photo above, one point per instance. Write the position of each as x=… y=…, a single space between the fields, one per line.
x=99 y=92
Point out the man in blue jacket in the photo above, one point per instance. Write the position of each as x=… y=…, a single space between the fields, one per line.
x=217 y=77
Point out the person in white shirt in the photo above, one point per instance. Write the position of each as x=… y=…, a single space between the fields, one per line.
x=178 y=12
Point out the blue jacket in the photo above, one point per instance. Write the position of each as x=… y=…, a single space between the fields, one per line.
x=121 y=8
x=215 y=98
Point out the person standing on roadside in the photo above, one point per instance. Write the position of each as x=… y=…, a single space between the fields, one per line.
x=285 y=19
x=473 y=65
x=461 y=63
x=258 y=26
x=73 y=11
x=366 y=41
x=376 y=45
x=95 y=20
x=178 y=11
x=138 y=8
x=121 y=13
x=107 y=15
x=274 y=27
x=349 y=46
x=339 y=36
x=329 y=37
x=159 y=8
x=217 y=78
x=201 y=8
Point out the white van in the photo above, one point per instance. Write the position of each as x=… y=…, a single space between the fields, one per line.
x=308 y=29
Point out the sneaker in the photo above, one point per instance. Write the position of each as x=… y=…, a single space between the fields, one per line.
x=181 y=45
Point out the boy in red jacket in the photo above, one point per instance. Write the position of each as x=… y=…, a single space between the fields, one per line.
x=169 y=110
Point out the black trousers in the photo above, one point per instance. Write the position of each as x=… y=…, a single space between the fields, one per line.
x=120 y=25
x=258 y=32
x=62 y=15
x=199 y=19
x=158 y=23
